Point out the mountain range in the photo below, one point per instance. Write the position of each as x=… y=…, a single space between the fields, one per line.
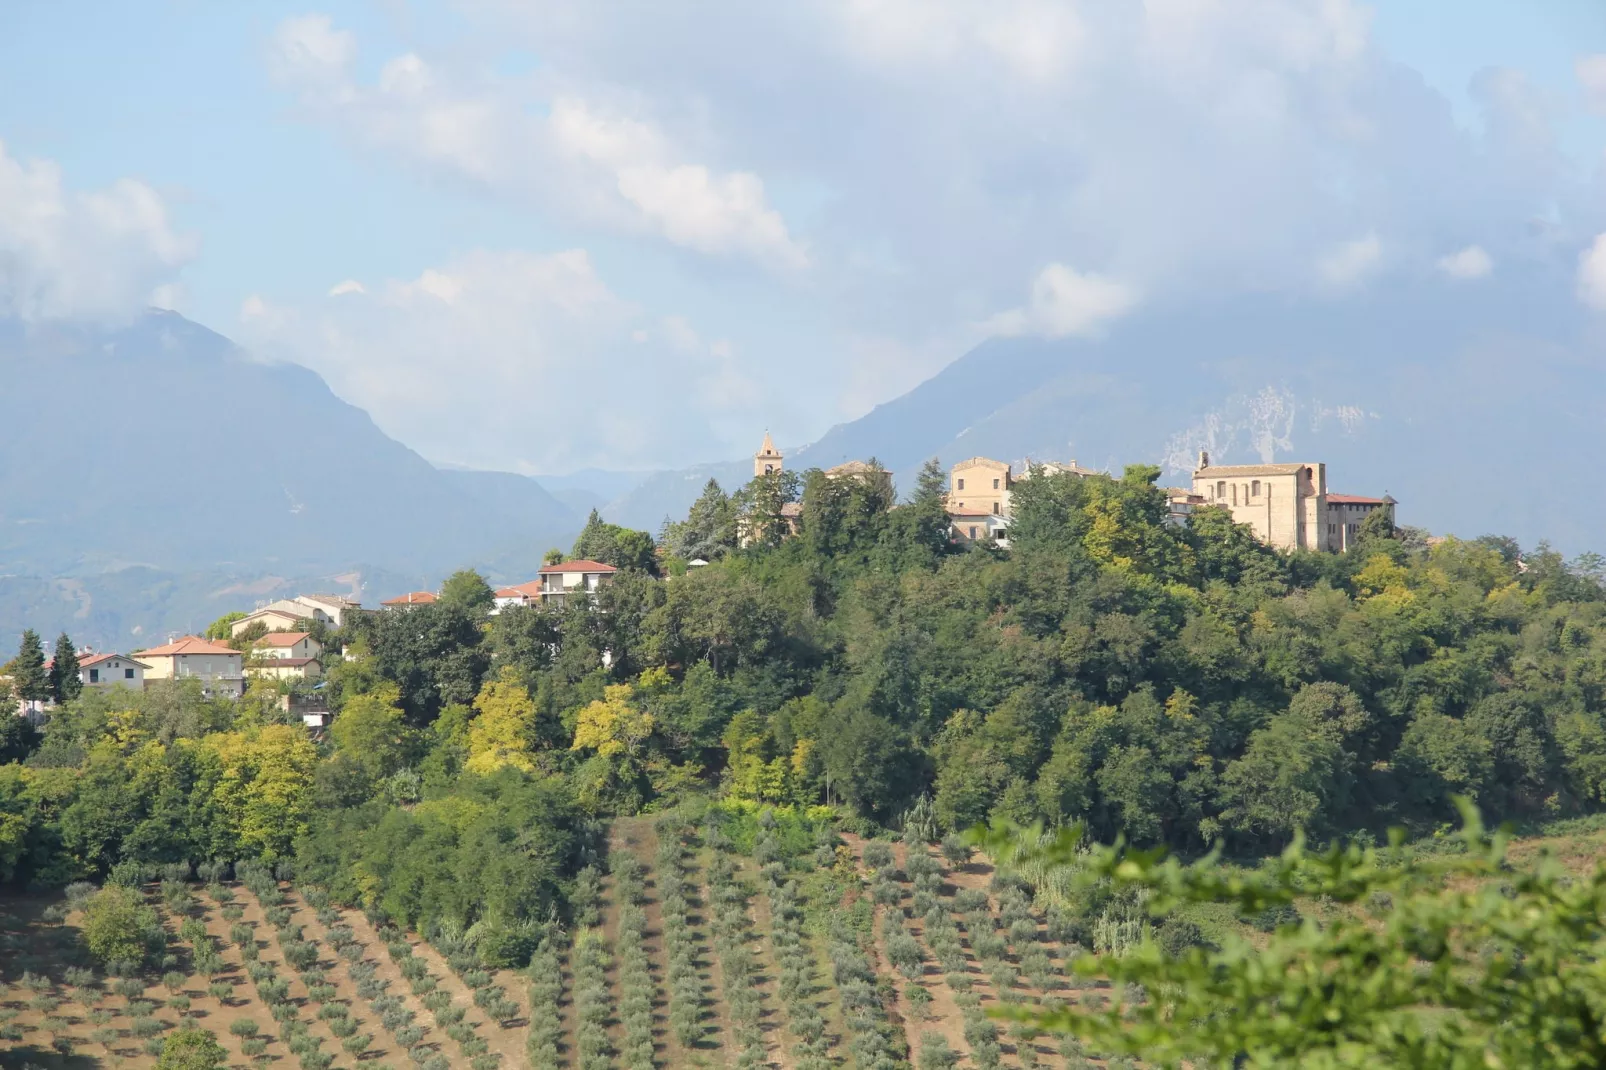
x=153 y=475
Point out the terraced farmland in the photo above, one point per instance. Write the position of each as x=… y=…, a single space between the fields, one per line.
x=717 y=942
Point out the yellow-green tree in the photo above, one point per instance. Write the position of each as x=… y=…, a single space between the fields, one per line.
x=614 y=726
x=372 y=730
x=499 y=735
x=265 y=791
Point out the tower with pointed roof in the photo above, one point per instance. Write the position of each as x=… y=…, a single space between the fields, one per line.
x=768 y=459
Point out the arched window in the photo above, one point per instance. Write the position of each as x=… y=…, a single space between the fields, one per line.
x=1221 y=489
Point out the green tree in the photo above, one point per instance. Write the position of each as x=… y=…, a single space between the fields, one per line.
x=18 y=737
x=222 y=628
x=709 y=530
x=1468 y=964
x=614 y=545
x=117 y=926
x=64 y=682
x=467 y=590
x=760 y=508
x=27 y=669
x=191 y=1048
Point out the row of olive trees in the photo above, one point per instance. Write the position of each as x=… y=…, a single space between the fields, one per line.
x=795 y=969
x=542 y=1046
x=636 y=984
x=687 y=1001
x=732 y=928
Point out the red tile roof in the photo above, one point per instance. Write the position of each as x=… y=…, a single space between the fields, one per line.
x=189 y=644
x=1352 y=499
x=289 y=663
x=98 y=658
x=522 y=590
x=411 y=598
x=282 y=638
x=579 y=566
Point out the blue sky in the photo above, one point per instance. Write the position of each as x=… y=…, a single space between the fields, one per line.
x=736 y=220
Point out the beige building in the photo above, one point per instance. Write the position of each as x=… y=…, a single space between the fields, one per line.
x=331 y=609
x=219 y=668
x=112 y=670
x=1285 y=505
x=768 y=459
x=862 y=470
x=1346 y=512
x=560 y=581
x=292 y=669
x=979 y=485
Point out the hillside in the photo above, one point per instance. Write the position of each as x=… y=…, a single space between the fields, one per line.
x=1446 y=397
x=161 y=446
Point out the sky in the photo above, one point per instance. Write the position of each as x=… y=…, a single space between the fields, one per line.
x=540 y=236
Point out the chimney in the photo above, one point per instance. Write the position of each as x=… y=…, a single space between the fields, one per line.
x=1204 y=459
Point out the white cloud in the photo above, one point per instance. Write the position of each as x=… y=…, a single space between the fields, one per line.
x=1592 y=274
x=491 y=131
x=1469 y=263
x=65 y=253
x=1064 y=302
x=511 y=360
x=350 y=286
x=1351 y=262
x=309 y=48
x=1591 y=71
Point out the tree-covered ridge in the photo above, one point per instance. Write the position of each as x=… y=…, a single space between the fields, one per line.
x=1177 y=684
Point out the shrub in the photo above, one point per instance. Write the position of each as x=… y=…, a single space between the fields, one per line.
x=877 y=854
x=243 y=1027
x=357 y=1044
x=145 y=1027
x=253 y=1046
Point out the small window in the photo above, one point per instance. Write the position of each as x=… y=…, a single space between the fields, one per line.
x=961 y=484
x=995 y=507
x=128 y=674
x=973 y=531
x=1256 y=488
x=1221 y=489
x=94 y=676
x=995 y=484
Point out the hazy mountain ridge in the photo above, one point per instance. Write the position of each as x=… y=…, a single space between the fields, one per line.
x=1475 y=409
x=159 y=446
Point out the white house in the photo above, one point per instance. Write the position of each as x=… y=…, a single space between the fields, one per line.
x=112 y=670
x=220 y=669
x=978 y=525
x=281 y=645
x=522 y=594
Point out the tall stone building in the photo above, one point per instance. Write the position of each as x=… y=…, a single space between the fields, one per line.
x=1286 y=505
x=768 y=459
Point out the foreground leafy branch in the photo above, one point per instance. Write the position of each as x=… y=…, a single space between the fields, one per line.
x=1451 y=963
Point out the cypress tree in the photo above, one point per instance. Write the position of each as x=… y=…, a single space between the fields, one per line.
x=64 y=682
x=28 y=674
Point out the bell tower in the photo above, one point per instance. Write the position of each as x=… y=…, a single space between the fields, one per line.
x=768 y=459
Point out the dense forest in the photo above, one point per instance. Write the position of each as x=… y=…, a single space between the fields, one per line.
x=1182 y=685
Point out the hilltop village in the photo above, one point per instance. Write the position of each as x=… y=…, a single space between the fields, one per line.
x=282 y=644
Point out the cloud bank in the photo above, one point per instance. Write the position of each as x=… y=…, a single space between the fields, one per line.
x=67 y=253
